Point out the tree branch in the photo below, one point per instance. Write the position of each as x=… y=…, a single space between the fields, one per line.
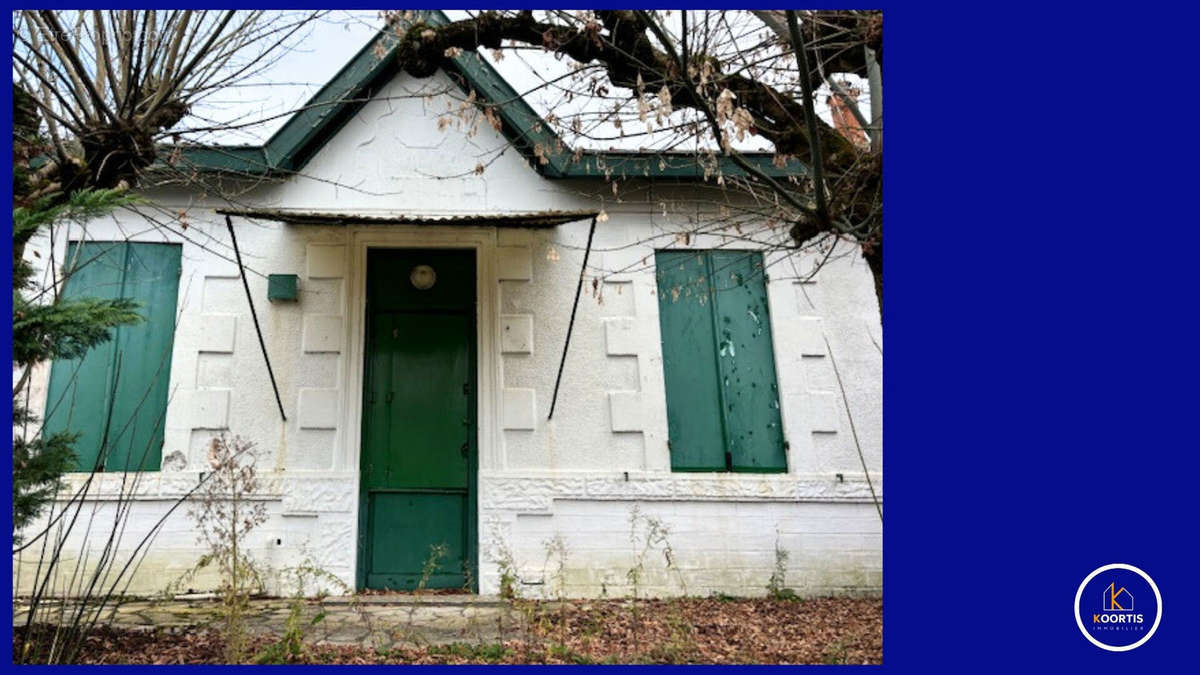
x=810 y=118
x=626 y=53
x=68 y=54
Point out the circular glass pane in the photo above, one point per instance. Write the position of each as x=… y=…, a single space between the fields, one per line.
x=423 y=277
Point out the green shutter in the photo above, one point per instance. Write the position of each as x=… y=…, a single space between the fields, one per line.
x=747 y=362
x=80 y=390
x=689 y=362
x=115 y=397
x=718 y=362
x=144 y=355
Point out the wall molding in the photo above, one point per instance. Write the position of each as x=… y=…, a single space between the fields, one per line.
x=535 y=492
x=528 y=491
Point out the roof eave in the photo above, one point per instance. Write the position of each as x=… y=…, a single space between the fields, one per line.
x=297 y=141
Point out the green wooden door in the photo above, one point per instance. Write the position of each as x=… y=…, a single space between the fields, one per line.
x=417 y=503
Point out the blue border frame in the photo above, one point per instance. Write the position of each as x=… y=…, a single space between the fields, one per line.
x=1041 y=318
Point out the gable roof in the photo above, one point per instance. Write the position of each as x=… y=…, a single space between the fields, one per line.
x=298 y=140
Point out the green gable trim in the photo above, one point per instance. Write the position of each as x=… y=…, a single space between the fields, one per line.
x=290 y=148
x=333 y=105
x=245 y=159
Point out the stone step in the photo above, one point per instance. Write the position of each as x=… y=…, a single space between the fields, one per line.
x=398 y=599
x=408 y=599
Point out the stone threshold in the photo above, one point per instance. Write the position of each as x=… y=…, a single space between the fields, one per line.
x=390 y=599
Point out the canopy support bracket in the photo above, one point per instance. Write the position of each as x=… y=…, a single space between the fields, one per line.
x=254 y=315
x=571 y=325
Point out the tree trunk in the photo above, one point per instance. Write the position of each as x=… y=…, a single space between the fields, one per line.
x=873 y=254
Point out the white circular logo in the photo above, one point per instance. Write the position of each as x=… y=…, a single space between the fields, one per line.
x=423 y=277
x=1113 y=606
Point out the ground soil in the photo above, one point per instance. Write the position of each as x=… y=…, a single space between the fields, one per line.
x=689 y=630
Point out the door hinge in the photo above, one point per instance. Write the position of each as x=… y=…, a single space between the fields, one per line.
x=466 y=388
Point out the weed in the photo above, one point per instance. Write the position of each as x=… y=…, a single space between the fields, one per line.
x=777 y=584
x=491 y=653
x=225 y=514
x=834 y=653
x=647 y=534
x=309 y=572
x=506 y=563
x=668 y=652
x=502 y=555
x=436 y=553
x=565 y=653
x=291 y=647
x=656 y=535
x=556 y=550
x=468 y=577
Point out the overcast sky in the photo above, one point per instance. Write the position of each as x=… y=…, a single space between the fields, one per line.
x=336 y=37
x=329 y=44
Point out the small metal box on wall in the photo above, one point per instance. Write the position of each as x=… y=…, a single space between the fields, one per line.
x=283 y=287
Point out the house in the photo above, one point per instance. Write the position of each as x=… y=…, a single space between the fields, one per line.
x=424 y=368
x=1117 y=600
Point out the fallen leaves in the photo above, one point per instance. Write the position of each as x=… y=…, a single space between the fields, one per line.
x=683 y=630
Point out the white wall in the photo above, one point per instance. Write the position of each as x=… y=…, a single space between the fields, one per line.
x=579 y=475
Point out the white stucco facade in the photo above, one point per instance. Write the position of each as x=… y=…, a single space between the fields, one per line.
x=577 y=477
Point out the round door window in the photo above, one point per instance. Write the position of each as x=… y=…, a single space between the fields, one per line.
x=423 y=277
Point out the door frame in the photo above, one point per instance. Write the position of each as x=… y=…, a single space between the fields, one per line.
x=483 y=242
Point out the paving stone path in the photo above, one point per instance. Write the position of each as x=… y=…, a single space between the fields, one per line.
x=382 y=622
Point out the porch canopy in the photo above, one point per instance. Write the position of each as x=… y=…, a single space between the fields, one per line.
x=537 y=219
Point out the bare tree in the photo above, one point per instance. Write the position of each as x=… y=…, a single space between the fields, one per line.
x=111 y=85
x=97 y=93
x=709 y=83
